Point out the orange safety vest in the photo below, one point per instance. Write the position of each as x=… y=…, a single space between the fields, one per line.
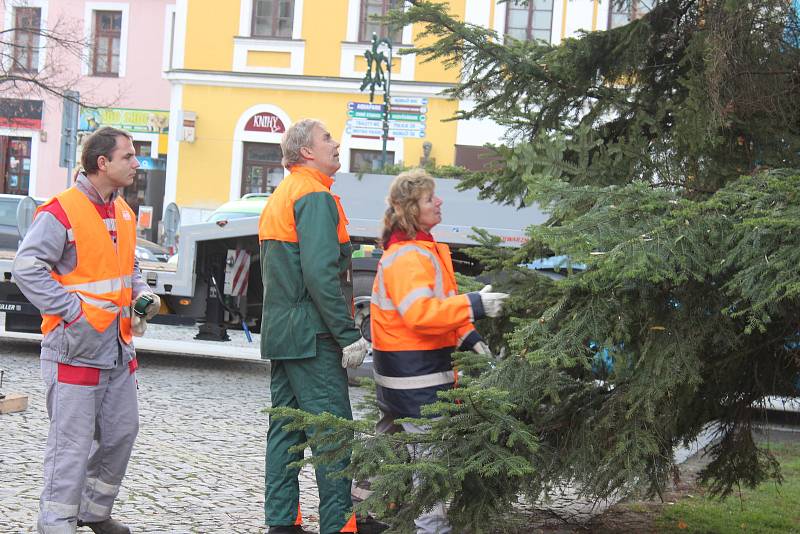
x=103 y=276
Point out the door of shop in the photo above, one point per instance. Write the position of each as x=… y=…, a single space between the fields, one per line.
x=261 y=168
x=147 y=188
x=15 y=165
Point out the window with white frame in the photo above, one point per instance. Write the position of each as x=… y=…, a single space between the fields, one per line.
x=621 y=12
x=531 y=21
x=368 y=26
x=261 y=167
x=368 y=160
x=27 y=30
x=106 y=40
x=272 y=18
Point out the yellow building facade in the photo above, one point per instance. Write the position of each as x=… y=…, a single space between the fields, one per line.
x=242 y=71
x=240 y=77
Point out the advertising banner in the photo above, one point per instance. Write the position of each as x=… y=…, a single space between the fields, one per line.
x=131 y=120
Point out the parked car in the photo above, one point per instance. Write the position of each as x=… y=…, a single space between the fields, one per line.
x=9 y=235
x=249 y=205
x=149 y=251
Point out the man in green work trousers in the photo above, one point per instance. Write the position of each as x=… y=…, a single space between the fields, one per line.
x=307 y=329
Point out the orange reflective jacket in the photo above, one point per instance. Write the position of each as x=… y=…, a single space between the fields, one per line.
x=102 y=278
x=418 y=319
x=278 y=222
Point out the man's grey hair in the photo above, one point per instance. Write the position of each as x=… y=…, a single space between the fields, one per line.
x=296 y=137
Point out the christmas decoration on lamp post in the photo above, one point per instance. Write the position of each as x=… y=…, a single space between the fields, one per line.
x=377 y=77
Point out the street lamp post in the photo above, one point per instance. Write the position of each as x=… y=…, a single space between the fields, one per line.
x=375 y=78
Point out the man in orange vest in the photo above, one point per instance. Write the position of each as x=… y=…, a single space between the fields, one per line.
x=77 y=265
x=307 y=329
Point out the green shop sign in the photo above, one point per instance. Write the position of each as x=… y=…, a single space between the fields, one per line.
x=131 y=120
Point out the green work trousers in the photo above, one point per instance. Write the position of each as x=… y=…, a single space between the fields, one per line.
x=314 y=385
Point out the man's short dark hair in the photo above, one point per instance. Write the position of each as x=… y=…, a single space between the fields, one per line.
x=100 y=143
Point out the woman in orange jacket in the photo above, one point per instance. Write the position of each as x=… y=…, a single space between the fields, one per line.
x=418 y=317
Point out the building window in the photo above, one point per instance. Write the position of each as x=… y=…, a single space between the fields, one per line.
x=261 y=167
x=621 y=12
x=27 y=27
x=106 y=43
x=15 y=165
x=368 y=26
x=477 y=158
x=368 y=160
x=531 y=21
x=272 y=18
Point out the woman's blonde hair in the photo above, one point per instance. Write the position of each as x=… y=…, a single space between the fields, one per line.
x=404 y=196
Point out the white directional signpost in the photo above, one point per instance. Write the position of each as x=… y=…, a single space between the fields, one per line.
x=406 y=118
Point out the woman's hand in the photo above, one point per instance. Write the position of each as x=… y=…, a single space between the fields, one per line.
x=492 y=302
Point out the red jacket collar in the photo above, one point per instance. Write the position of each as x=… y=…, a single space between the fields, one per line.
x=398 y=236
x=319 y=176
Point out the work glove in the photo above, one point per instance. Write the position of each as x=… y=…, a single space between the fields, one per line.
x=353 y=354
x=152 y=310
x=492 y=302
x=482 y=348
x=138 y=324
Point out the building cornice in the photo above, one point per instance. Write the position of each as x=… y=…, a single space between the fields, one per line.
x=290 y=82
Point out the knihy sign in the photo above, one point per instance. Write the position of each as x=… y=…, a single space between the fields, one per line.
x=265 y=122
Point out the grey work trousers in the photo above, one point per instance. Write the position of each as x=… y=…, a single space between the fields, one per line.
x=435 y=520
x=94 y=419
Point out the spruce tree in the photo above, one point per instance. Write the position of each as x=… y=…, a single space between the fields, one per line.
x=667 y=153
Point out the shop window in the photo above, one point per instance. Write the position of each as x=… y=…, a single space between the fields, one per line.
x=261 y=167
x=621 y=12
x=533 y=21
x=147 y=189
x=368 y=160
x=15 y=165
x=476 y=158
x=368 y=26
x=27 y=27
x=106 y=43
x=272 y=18
x=134 y=194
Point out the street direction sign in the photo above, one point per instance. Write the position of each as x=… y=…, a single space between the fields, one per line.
x=364 y=106
x=357 y=130
x=375 y=115
x=393 y=125
x=407 y=133
x=357 y=114
x=410 y=109
x=408 y=101
x=409 y=126
x=418 y=117
x=374 y=132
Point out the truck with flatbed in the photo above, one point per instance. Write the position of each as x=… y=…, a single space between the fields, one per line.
x=214 y=279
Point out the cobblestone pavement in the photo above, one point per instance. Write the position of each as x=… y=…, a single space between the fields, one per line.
x=198 y=463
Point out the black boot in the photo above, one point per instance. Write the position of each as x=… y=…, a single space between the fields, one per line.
x=106 y=526
x=370 y=525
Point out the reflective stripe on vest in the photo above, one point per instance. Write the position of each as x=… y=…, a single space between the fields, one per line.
x=414 y=382
x=102 y=286
x=103 y=274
